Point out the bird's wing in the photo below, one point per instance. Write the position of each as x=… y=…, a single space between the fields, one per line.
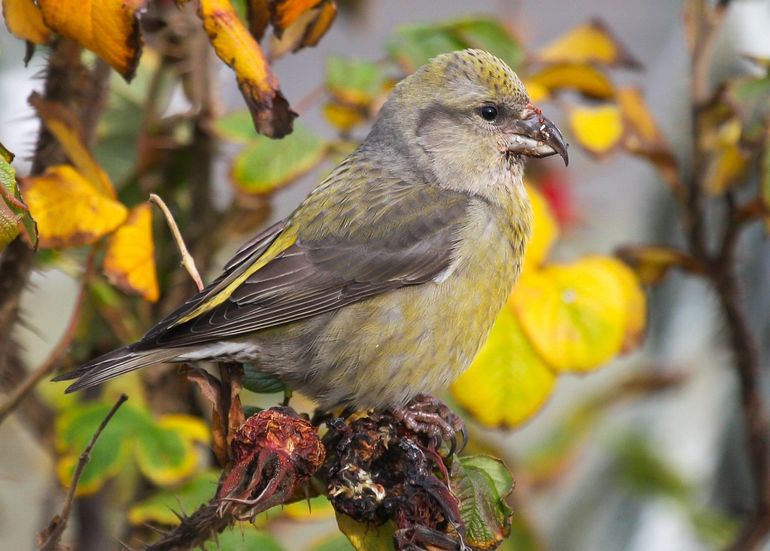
x=350 y=246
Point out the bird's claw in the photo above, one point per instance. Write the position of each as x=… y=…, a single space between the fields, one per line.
x=427 y=415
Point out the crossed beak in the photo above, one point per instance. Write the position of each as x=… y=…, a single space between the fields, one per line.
x=536 y=136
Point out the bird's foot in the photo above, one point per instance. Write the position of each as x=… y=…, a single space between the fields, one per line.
x=429 y=416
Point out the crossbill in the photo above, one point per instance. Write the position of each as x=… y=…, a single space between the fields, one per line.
x=385 y=281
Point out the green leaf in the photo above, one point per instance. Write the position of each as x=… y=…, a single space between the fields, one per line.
x=164 y=455
x=367 y=537
x=265 y=165
x=13 y=218
x=243 y=538
x=750 y=98
x=412 y=46
x=481 y=484
x=490 y=35
x=645 y=471
x=336 y=542
x=353 y=80
x=260 y=382
x=162 y=505
x=237 y=126
x=74 y=430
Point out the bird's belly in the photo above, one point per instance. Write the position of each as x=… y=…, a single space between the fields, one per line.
x=383 y=351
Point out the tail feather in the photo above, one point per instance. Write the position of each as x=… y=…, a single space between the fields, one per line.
x=112 y=364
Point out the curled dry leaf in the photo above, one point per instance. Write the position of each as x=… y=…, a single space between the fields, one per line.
x=68 y=210
x=591 y=42
x=109 y=28
x=25 y=21
x=130 y=263
x=238 y=49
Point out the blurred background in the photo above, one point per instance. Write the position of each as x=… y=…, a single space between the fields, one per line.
x=600 y=466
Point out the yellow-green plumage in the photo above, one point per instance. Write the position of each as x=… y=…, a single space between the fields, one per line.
x=385 y=281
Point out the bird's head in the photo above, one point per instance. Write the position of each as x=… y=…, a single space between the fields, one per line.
x=468 y=113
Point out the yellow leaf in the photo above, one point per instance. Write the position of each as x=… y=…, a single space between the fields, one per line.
x=574 y=314
x=591 y=42
x=25 y=21
x=586 y=79
x=545 y=230
x=68 y=210
x=508 y=381
x=636 y=301
x=191 y=428
x=129 y=263
x=238 y=49
x=68 y=132
x=341 y=116
x=366 y=537
x=537 y=92
x=109 y=28
x=728 y=162
x=313 y=509
x=597 y=129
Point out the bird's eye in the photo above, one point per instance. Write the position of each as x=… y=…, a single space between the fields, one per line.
x=488 y=113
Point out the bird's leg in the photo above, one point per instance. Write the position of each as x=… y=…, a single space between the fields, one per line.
x=427 y=415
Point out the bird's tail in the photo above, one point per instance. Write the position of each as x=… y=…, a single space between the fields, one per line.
x=113 y=364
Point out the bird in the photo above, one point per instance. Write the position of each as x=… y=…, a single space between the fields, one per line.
x=385 y=281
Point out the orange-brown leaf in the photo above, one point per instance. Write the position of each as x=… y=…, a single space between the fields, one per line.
x=652 y=263
x=591 y=42
x=109 y=28
x=259 y=86
x=130 y=263
x=643 y=136
x=306 y=30
x=25 y=21
x=258 y=16
x=286 y=12
x=68 y=210
x=67 y=130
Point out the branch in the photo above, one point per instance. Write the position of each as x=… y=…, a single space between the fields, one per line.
x=45 y=369
x=187 y=260
x=704 y=23
x=49 y=536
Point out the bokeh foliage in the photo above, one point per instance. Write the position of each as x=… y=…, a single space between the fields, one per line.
x=569 y=315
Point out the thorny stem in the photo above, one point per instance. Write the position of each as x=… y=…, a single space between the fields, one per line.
x=23 y=389
x=56 y=527
x=65 y=79
x=723 y=278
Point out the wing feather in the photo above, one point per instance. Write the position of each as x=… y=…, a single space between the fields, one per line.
x=393 y=235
